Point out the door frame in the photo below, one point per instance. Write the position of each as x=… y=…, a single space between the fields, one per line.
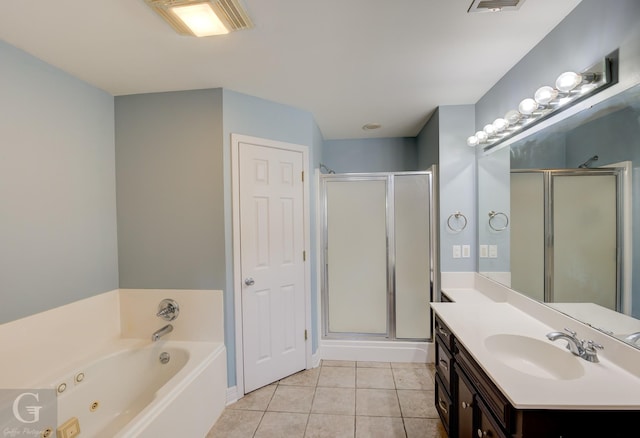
x=236 y=139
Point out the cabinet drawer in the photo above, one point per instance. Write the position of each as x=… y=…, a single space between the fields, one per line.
x=444 y=364
x=496 y=402
x=444 y=332
x=443 y=403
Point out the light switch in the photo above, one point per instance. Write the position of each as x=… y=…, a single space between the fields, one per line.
x=466 y=251
x=484 y=251
x=493 y=251
x=456 y=251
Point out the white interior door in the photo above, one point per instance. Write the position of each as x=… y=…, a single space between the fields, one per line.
x=271 y=192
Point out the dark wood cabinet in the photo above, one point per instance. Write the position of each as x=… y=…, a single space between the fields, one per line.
x=471 y=405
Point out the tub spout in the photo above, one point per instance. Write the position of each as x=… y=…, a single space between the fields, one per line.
x=161 y=332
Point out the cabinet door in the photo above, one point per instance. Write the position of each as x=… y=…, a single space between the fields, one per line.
x=465 y=399
x=486 y=426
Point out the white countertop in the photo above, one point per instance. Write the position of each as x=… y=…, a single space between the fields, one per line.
x=474 y=317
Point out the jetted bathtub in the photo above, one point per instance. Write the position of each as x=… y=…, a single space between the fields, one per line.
x=142 y=389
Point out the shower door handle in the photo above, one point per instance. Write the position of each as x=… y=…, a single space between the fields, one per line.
x=249 y=281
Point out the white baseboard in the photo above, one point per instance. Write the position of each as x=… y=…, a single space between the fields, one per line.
x=232 y=395
x=377 y=351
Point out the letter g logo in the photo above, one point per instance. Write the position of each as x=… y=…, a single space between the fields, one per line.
x=34 y=411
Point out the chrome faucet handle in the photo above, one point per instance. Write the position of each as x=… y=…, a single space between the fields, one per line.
x=571 y=332
x=168 y=309
x=590 y=353
x=595 y=344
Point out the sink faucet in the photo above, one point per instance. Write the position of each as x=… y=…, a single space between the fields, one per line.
x=161 y=332
x=632 y=338
x=581 y=348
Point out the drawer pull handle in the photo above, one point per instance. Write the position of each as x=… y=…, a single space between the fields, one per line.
x=466 y=405
x=443 y=332
x=443 y=406
x=444 y=364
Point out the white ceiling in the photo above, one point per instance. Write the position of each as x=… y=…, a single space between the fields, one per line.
x=348 y=62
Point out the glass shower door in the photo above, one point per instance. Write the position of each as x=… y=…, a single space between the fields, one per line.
x=356 y=260
x=412 y=241
x=585 y=237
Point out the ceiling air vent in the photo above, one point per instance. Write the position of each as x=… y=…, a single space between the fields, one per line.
x=236 y=15
x=495 y=5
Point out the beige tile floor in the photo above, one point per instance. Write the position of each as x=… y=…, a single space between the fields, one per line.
x=339 y=399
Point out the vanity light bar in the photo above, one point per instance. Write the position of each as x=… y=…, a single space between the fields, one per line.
x=570 y=88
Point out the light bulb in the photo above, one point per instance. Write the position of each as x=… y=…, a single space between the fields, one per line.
x=473 y=141
x=527 y=106
x=489 y=129
x=567 y=81
x=545 y=94
x=482 y=136
x=512 y=117
x=500 y=124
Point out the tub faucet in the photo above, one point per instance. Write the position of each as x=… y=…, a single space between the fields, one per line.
x=587 y=350
x=161 y=332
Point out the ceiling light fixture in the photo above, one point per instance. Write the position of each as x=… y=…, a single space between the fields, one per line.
x=371 y=126
x=202 y=18
x=570 y=88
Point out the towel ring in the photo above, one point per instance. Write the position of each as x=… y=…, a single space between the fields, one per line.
x=457 y=215
x=492 y=216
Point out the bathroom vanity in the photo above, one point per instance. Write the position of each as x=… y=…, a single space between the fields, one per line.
x=497 y=375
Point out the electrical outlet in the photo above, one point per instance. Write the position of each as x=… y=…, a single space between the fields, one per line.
x=466 y=251
x=493 y=251
x=484 y=251
x=456 y=251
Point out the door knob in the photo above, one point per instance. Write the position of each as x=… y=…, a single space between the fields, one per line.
x=249 y=281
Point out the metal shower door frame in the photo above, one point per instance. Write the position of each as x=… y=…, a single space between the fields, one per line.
x=390 y=239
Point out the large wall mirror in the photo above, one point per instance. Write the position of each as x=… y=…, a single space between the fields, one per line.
x=559 y=215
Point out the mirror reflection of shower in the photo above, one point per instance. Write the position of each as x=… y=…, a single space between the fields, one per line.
x=588 y=163
x=326 y=169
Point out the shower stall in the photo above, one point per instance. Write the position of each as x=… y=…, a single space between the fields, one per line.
x=380 y=264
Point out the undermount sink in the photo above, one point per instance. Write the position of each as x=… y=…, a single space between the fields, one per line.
x=535 y=357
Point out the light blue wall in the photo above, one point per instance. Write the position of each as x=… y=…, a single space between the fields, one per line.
x=371 y=155
x=428 y=142
x=457 y=168
x=58 y=240
x=170 y=190
x=494 y=180
x=442 y=141
x=248 y=115
x=549 y=152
